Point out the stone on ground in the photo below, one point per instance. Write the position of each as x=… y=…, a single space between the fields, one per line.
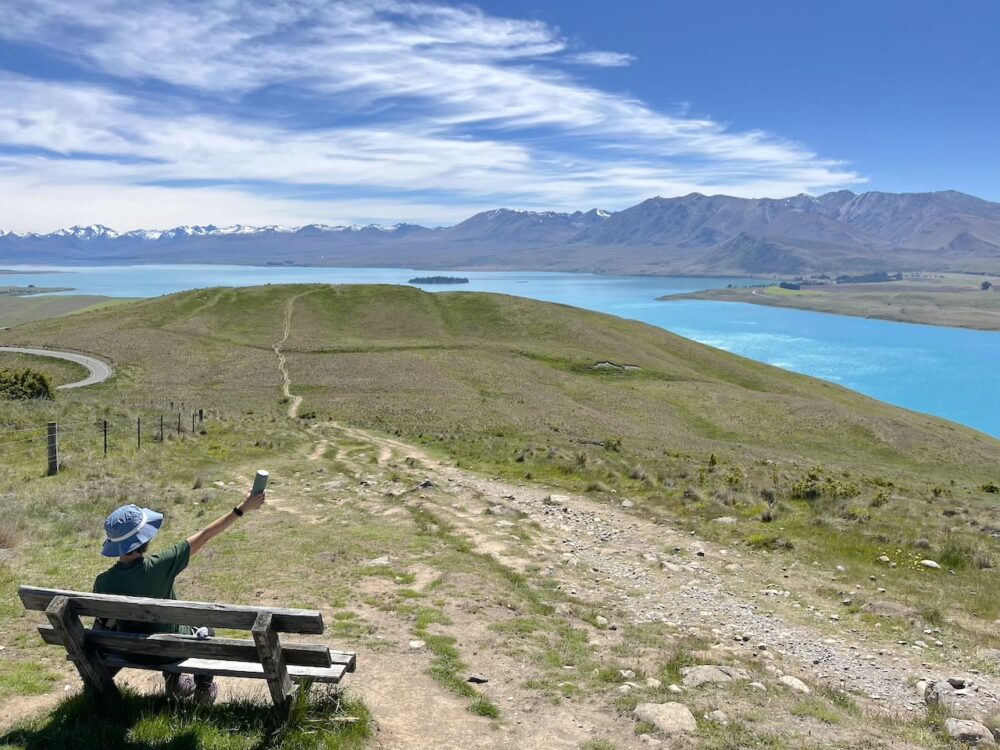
x=707 y=674
x=794 y=683
x=970 y=732
x=669 y=718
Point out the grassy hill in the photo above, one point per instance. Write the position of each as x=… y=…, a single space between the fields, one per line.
x=504 y=370
x=811 y=473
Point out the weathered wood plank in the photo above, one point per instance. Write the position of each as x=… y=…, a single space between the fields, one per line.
x=175 y=612
x=66 y=623
x=248 y=670
x=273 y=661
x=178 y=646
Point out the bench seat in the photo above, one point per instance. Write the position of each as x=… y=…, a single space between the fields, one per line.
x=218 y=668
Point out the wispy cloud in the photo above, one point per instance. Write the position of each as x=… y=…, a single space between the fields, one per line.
x=317 y=110
x=602 y=59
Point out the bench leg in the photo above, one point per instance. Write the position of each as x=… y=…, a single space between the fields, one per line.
x=95 y=675
x=273 y=661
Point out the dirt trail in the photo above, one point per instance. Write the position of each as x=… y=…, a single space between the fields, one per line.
x=295 y=401
x=619 y=558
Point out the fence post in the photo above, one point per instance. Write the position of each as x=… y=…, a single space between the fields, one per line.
x=53 y=443
x=201 y=416
x=138 y=433
x=105 y=438
x=161 y=428
x=178 y=423
x=193 y=415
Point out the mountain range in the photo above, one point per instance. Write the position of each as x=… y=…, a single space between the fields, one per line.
x=695 y=234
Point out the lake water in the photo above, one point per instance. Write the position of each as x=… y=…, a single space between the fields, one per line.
x=949 y=372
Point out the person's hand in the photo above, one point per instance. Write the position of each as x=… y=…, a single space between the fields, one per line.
x=253 y=501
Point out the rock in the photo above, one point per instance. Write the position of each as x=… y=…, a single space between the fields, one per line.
x=719 y=717
x=601 y=621
x=943 y=694
x=628 y=674
x=378 y=562
x=970 y=732
x=669 y=718
x=499 y=510
x=648 y=739
x=477 y=679
x=707 y=674
x=417 y=644
x=794 y=683
x=726 y=520
x=675 y=689
x=759 y=686
x=652 y=682
x=883 y=559
x=930 y=564
x=627 y=504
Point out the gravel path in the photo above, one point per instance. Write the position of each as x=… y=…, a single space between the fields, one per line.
x=613 y=554
x=99 y=370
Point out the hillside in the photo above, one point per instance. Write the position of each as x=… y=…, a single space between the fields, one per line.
x=576 y=506
x=692 y=234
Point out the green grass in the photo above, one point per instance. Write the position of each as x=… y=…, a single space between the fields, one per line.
x=502 y=386
x=324 y=721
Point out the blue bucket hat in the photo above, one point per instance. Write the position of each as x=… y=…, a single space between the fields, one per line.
x=128 y=528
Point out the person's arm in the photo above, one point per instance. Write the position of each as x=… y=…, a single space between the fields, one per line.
x=199 y=540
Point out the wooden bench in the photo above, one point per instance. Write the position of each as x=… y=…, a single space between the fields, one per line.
x=99 y=654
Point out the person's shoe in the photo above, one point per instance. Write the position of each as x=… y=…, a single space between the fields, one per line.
x=179 y=686
x=205 y=695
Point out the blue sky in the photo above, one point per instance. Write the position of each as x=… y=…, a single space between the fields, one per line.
x=289 y=112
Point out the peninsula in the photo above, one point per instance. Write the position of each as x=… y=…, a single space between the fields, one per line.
x=956 y=300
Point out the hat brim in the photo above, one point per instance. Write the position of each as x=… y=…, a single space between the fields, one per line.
x=145 y=533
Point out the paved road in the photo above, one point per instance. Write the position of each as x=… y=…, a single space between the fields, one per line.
x=99 y=371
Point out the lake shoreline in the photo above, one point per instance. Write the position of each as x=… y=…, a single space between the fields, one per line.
x=877 y=304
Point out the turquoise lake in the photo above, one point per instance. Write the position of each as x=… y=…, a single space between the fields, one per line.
x=949 y=372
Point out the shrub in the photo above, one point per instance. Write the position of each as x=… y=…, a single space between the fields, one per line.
x=733 y=477
x=19 y=385
x=990 y=487
x=768 y=542
x=638 y=473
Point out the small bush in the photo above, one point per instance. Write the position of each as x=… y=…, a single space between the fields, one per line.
x=26 y=384
x=769 y=542
x=484 y=707
x=990 y=487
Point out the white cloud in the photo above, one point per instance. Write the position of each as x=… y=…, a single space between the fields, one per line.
x=602 y=59
x=401 y=99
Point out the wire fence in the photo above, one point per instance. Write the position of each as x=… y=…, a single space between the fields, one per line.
x=128 y=427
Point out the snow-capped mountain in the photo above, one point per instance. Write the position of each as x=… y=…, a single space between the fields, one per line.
x=690 y=234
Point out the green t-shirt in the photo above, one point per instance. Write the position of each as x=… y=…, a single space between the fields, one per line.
x=151 y=576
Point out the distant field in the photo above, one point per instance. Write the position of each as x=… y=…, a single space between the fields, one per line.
x=15 y=310
x=955 y=300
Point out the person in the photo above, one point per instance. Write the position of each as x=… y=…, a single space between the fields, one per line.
x=129 y=530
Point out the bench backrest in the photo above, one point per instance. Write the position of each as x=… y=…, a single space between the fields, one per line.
x=174 y=612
